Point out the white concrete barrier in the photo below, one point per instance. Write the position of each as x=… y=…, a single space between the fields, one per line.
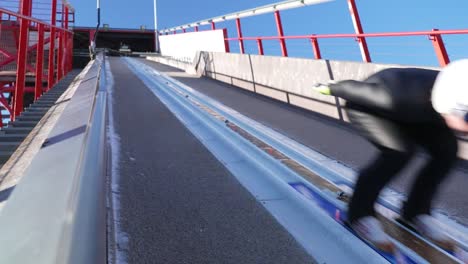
x=57 y=212
x=185 y=46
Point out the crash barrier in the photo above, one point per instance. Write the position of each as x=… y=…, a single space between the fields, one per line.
x=289 y=80
x=57 y=212
x=35 y=51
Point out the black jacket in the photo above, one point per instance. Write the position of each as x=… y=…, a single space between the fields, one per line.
x=400 y=94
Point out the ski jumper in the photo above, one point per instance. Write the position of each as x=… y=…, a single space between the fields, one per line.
x=393 y=110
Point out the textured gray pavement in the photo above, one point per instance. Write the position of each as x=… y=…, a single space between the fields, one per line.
x=327 y=136
x=178 y=202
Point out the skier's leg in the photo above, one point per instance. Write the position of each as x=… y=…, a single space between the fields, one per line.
x=372 y=179
x=395 y=151
x=441 y=145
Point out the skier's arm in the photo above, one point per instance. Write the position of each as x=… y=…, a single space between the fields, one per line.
x=371 y=95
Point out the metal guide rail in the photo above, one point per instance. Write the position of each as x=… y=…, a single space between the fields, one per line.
x=56 y=214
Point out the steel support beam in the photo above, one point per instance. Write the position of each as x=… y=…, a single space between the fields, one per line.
x=239 y=34
x=22 y=57
x=358 y=28
x=315 y=46
x=439 y=46
x=51 y=75
x=279 y=26
x=39 y=62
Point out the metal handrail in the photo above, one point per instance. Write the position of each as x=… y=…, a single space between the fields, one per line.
x=351 y=35
x=270 y=8
x=59 y=63
x=11 y=13
x=434 y=35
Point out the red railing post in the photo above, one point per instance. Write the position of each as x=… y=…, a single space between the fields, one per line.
x=60 y=56
x=315 y=45
x=260 y=46
x=66 y=60
x=239 y=34
x=70 y=68
x=439 y=47
x=279 y=26
x=92 y=32
x=66 y=57
x=226 y=42
x=1 y=19
x=213 y=26
x=61 y=14
x=39 y=62
x=28 y=11
x=51 y=75
x=21 y=61
x=358 y=28
x=67 y=12
x=67 y=42
x=61 y=44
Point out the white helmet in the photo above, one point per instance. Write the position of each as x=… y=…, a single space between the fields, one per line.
x=450 y=92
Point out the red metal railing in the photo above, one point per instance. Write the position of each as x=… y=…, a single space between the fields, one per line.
x=34 y=54
x=434 y=35
x=41 y=9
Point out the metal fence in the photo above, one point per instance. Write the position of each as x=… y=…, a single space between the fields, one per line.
x=315 y=42
x=35 y=50
x=42 y=10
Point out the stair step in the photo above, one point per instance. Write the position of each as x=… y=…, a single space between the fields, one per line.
x=57 y=92
x=42 y=104
x=5 y=156
x=37 y=110
x=12 y=137
x=38 y=114
x=17 y=130
x=31 y=118
x=20 y=123
x=48 y=100
x=9 y=146
x=52 y=94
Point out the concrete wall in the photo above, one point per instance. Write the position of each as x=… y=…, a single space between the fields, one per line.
x=286 y=79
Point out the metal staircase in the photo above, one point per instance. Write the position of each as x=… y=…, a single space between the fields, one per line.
x=13 y=135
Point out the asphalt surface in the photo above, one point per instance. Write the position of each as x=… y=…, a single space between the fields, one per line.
x=179 y=204
x=325 y=135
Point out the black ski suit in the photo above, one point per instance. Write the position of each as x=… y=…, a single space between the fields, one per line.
x=393 y=110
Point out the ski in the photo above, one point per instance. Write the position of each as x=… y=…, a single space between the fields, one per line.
x=404 y=238
x=336 y=210
x=421 y=247
x=457 y=250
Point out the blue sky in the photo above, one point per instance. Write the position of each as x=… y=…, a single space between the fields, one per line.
x=328 y=18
